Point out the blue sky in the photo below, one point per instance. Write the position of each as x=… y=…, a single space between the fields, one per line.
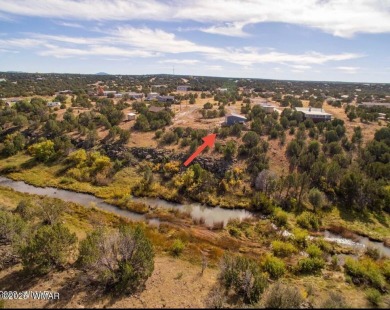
x=334 y=40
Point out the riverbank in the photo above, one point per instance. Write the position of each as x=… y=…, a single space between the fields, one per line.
x=118 y=192
x=186 y=215
x=253 y=241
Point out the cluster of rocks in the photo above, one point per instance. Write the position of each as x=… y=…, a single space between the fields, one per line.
x=216 y=166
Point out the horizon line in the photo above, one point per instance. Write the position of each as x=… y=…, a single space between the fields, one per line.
x=210 y=76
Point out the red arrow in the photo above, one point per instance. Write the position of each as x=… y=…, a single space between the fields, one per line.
x=208 y=141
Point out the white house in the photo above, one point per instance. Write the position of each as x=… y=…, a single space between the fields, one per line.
x=152 y=96
x=316 y=114
x=183 y=88
x=130 y=116
x=268 y=108
x=222 y=90
x=107 y=92
x=135 y=96
x=54 y=104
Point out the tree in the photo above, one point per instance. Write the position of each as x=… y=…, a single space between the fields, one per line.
x=282 y=296
x=43 y=151
x=230 y=150
x=142 y=123
x=122 y=259
x=124 y=136
x=61 y=98
x=236 y=130
x=50 y=247
x=207 y=105
x=266 y=181
x=244 y=276
x=316 y=198
x=351 y=115
x=251 y=139
x=12 y=226
x=351 y=186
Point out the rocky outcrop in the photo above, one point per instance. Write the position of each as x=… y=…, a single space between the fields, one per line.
x=216 y=166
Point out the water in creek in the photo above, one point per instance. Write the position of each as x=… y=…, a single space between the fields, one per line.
x=197 y=211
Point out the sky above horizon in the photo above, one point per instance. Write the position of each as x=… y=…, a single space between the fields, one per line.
x=326 y=40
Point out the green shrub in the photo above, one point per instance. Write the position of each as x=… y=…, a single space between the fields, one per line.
x=300 y=237
x=334 y=301
x=308 y=220
x=274 y=266
x=177 y=247
x=11 y=226
x=158 y=134
x=50 y=247
x=261 y=203
x=282 y=296
x=373 y=253
x=234 y=231
x=310 y=265
x=386 y=269
x=364 y=271
x=43 y=151
x=244 y=276
x=122 y=260
x=373 y=296
x=314 y=251
x=283 y=249
x=169 y=137
x=324 y=245
x=280 y=217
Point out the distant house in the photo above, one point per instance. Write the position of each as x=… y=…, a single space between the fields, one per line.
x=222 y=90
x=118 y=95
x=136 y=95
x=382 y=116
x=232 y=119
x=374 y=104
x=268 y=108
x=317 y=115
x=130 y=116
x=152 y=96
x=165 y=98
x=258 y=100
x=65 y=92
x=159 y=86
x=108 y=92
x=154 y=109
x=54 y=104
x=183 y=88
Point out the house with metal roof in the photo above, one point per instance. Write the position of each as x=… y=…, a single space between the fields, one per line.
x=152 y=96
x=316 y=114
x=183 y=88
x=233 y=118
x=54 y=104
x=374 y=104
x=165 y=98
x=136 y=96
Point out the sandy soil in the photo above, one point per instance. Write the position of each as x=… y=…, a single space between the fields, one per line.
x=173 y=284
